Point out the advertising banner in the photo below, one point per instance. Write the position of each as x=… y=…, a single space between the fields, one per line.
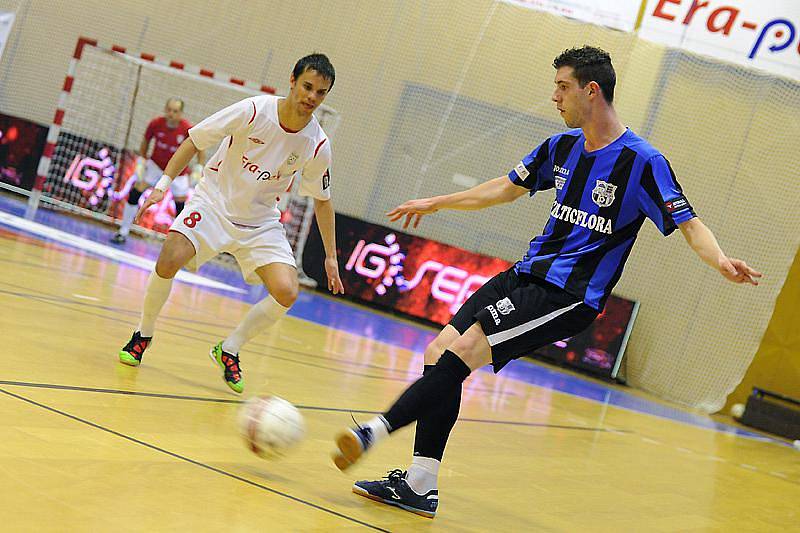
x=21 y=145
x=758 y=33
x=429 y=281
x=98 y=177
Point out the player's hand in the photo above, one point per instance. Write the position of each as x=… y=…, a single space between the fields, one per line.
x=737 y=271
x=413 y=210
x=332 y=272
x=156 y=195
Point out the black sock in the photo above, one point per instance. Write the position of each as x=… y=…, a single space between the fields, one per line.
x=433 y=429
x=428 y=392
x=179 y=207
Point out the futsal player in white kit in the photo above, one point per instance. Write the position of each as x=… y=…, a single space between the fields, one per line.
x=265 y=142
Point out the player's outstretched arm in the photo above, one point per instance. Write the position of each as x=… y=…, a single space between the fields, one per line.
x=326 y=220
x=493 y=192
x=703 y=242
x=177 y=162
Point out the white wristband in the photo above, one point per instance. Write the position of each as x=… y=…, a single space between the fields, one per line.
x=163 y=183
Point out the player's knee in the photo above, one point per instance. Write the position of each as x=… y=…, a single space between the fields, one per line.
x=434 y=351
x=285 y=293
x=169 y=262
x=472 y=347
x=167 y=267
x=133 y=196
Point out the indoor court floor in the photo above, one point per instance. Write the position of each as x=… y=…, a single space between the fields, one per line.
x=91 y=444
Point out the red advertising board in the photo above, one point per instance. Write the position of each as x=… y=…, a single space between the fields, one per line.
x=429 y=281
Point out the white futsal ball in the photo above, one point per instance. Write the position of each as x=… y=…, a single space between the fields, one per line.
x=270 y=425
x=737 y=410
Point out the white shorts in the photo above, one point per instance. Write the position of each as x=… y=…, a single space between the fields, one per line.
x=212 y=233
x=179 y=186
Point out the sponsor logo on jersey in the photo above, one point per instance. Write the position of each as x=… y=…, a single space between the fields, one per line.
x=560 y=170
x=603 y=193
x=494 y=314
x=676 y=204
x=255 y=140
x=521 y=171
x=581 y=218
x=255 y=169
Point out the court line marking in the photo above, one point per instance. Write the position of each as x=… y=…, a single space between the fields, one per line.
x=737 y=432
x=84 y=297
x=56 y=300
x=107 y=252
x=78 y=388
x=192 y=461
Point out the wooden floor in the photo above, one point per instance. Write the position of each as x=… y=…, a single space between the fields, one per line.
x=89 y=444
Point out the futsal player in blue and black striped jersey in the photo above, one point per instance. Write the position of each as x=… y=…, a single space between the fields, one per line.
x=607 y=182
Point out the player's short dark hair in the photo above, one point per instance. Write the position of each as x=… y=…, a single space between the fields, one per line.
x=318 y=62
x=174 y=99
x=590 y=64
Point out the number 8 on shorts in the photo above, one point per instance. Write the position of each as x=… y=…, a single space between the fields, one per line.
x=192 y=220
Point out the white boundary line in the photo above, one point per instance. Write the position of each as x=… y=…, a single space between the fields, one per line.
x=106 y=251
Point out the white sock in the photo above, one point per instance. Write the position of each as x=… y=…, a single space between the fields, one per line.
x=379 y=427
x=259 y=318
x=155 y=295
x=423 y=474
x=127 y=219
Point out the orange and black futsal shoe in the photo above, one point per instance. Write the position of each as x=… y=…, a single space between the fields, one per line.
x=231 y=369
x=132 y=353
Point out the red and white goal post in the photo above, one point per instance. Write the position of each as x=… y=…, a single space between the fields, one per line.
x=109 y=95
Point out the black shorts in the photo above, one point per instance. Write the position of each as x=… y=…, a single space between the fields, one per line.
x=520 y=313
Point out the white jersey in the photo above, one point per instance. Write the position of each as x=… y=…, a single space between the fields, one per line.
x=258 y=159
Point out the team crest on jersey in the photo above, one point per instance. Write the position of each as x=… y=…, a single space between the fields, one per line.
x=505 y=306
x=603 y=193
x=560 y=181
x=292 y=159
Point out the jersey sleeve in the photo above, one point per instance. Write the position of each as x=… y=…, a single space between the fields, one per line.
x=535 y=171
x=661 y=198
x=236 y=118
x=316 y=175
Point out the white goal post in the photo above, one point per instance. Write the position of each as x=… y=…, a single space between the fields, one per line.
x=108 y=97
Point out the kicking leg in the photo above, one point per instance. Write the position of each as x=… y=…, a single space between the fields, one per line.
x=468 y=352
x=437 y=393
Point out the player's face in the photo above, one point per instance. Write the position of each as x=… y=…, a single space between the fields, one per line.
x=173 y=112
x=308 y=91
x=571 y=99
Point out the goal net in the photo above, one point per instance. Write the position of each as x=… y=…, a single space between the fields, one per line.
x=109 y=97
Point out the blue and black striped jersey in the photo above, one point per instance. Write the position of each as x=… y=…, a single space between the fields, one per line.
x=602 y=199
